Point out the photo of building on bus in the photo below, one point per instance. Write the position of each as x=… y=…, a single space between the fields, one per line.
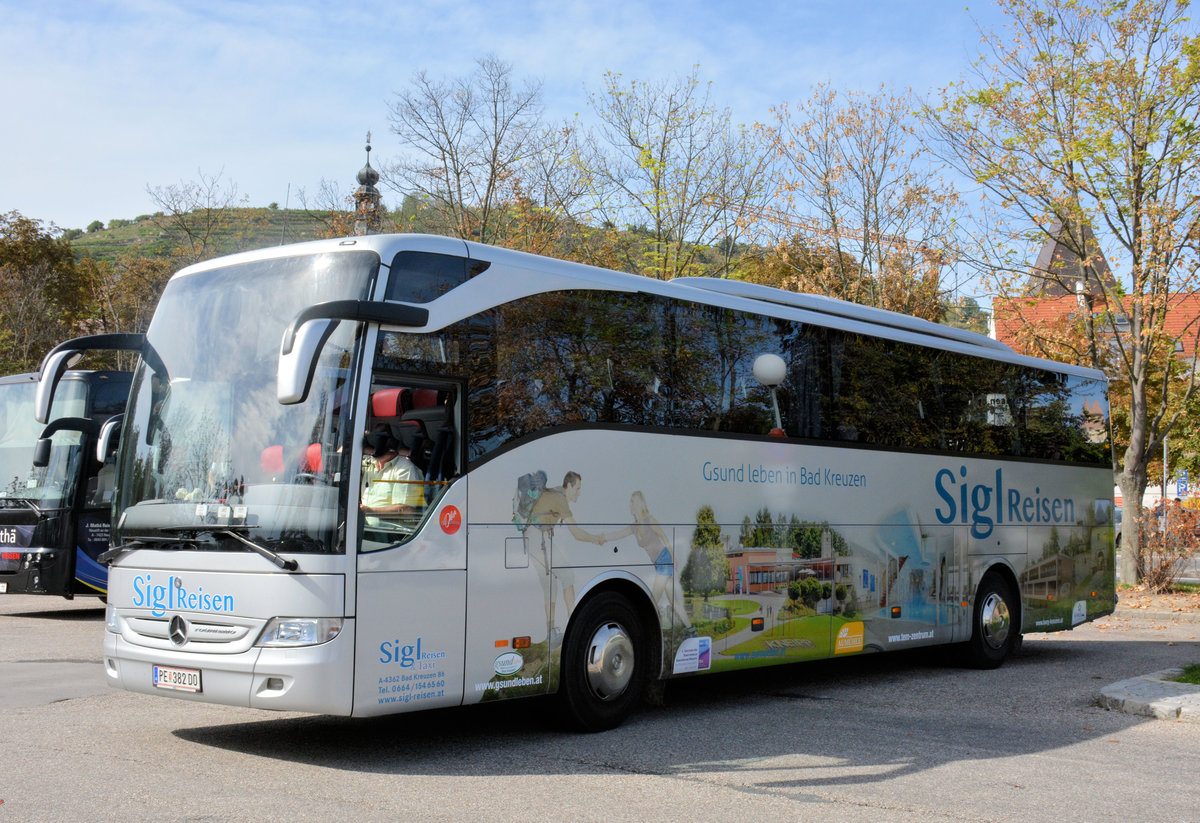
x=452 y=473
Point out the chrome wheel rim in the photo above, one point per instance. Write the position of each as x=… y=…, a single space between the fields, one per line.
x=610 y=661
x=995 y=621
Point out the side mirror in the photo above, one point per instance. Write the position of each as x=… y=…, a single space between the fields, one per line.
x=41 y=453
x=298 y=363
x=51 y=372
x=104 y=444
x=41 y=450
x=67 y=354
x=308 y=331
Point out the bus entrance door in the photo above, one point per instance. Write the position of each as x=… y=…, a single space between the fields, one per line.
x=411 y=606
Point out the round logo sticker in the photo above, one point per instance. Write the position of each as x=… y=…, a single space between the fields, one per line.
x=450 y=519
x=509 y=663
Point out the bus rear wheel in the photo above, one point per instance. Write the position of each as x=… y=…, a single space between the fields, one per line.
x=995 y=632
x=603 y=665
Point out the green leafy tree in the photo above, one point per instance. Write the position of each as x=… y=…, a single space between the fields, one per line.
x=707 y=569
x=810 y=591
x=762 y=533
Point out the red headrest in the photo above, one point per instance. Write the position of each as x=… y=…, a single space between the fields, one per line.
x=272 y=459
x=387 y=403
x=312 y=458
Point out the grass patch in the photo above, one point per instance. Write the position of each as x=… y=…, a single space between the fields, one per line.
x=1191 y=674
x=1186 y=588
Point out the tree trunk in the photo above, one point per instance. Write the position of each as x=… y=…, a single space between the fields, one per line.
x=1133 y=487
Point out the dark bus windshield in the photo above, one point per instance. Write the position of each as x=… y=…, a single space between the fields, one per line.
x=51 y=486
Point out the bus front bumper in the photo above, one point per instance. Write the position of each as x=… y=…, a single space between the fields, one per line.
x=35 y=571
x=317 y=679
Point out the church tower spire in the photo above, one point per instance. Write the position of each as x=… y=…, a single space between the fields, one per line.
x=367 y=199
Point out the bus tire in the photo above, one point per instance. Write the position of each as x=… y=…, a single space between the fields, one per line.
x=604 y=667
x=994 y=630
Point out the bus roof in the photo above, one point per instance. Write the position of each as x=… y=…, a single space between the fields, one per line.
x=553 y=274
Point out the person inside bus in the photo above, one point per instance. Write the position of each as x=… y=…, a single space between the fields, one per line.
x=391 y=483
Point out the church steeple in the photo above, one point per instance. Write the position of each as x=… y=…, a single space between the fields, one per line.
x=367 y=199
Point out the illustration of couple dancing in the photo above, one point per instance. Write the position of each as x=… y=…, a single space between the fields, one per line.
x=553 y=507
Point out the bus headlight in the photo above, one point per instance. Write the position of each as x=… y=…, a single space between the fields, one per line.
x=110 y=619
x=299 y=631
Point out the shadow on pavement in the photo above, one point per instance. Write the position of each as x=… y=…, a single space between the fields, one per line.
x=844 y=722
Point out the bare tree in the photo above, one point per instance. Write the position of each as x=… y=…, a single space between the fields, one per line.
x=469 y=142
x=666 y=159
x=330 y=208
x=195 y=213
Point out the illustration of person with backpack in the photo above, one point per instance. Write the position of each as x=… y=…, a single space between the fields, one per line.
x=542 y=508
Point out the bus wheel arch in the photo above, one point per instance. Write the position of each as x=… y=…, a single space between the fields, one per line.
x=995 y=620
x=612 y=650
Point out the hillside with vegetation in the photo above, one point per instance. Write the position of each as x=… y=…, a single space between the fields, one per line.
x=240 y=229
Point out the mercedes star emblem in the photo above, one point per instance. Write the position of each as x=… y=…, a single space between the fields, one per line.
x=178 y=630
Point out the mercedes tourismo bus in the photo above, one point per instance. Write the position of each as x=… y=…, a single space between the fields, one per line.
x=55 y=513
x=390 y=473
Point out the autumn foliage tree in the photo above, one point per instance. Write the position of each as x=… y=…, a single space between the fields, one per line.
x=1079 y=119
x=862 y=214
x=44 y=294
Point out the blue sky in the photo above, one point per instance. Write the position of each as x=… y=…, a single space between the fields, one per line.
x=107 y=97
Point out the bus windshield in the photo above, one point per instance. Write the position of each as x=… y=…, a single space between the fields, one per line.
x=51 y=486
x=210 y=450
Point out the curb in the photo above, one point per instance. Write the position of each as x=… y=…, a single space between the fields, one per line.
x=1154 y=695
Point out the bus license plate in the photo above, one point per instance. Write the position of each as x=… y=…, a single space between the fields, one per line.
x=182 y=680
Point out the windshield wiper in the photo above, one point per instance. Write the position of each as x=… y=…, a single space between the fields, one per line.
x=282 y=562
x=24 y=501
x=143 y=542
x=116 y=551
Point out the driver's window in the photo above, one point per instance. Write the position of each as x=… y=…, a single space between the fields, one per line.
x=406 y=440
x=103 y=482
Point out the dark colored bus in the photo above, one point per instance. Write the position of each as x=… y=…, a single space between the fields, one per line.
x=55 y=518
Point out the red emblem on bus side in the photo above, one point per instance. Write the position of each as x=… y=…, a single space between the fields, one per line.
x=451 y=519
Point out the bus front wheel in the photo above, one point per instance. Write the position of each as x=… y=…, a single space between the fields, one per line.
x=995 y=632
x=603 y=664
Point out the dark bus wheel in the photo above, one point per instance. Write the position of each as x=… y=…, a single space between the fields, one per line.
x=603 y=664
x=994 y=630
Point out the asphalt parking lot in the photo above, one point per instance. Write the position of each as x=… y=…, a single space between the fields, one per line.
x=904 y=736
